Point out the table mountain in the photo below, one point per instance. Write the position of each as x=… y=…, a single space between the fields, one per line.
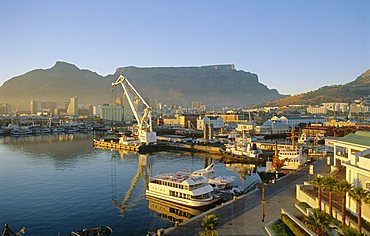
x=217 y=85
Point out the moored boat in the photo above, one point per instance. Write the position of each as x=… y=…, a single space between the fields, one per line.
x=208 y=171
x=182 y=188
x=292 y=159
x=221 y=182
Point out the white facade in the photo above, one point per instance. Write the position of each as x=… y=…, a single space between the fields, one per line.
x=216 y=121
x=353 y=152
x=246 y=126
x=111 y=112
x=317 y=110
x=293 y=121
x=73 y=107
x=96 y=110
x=358 y=108
x=336 y=106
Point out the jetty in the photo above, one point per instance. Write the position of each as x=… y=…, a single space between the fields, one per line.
x=142 y=149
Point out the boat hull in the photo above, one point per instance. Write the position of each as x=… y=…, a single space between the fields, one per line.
x=185 y=202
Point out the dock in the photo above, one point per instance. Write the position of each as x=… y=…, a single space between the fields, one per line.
x=161 y=146
x=234 y=214
x=142 y=149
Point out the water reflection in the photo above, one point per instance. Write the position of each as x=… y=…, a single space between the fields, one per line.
x=143 y=171
x=246 y=172
x=64 y=149
x=170 y=211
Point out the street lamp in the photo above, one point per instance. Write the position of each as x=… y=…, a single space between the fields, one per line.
x=263 y=201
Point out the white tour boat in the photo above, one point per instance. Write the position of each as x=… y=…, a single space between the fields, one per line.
x=292 y=159
x=182 y=188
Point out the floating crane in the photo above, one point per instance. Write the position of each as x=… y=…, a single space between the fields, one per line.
x=145 y=129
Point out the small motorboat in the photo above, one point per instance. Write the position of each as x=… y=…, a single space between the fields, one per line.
x=94 y=231
x=208 y=171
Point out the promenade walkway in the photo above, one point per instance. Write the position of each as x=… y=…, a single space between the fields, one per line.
x=243 y=216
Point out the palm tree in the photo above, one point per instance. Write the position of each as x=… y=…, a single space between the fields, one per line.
x=319 y=183
x=360 y=195
x=209 y=223
x=329 y=185
x=318 y=221
x=343 y=187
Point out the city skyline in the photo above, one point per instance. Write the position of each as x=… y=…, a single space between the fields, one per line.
x=284 y=43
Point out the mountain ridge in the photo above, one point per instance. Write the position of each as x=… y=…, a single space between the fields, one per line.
x=359 y=87
x=210 y=84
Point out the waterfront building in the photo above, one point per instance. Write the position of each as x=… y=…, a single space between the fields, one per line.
x=233 y=117
x=317 y=110
x=96 y=111
x=346 y=147
x=188 y=120
x=293 y=121
x=111 y=112
x=5 y=109
x=260 y=129
x=196 y=105
x=324 y=108
x=336 y=106
x=353 y=152
x=216 y=121
x=37 y=107
x=335 y=123
x=73 y=107
x=171 y=121
x=358 y=173
x=358 y=108
x=246 y=126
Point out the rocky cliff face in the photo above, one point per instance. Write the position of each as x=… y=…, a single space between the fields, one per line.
x=217 y=85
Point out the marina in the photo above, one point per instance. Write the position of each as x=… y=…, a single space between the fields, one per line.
x=111 y=184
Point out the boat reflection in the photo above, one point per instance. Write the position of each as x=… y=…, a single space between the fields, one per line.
x=173 y=212
x=247 y=174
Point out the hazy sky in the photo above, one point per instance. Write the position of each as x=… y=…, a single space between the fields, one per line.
x=293 y=46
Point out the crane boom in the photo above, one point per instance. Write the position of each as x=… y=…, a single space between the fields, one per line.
x=145 y=128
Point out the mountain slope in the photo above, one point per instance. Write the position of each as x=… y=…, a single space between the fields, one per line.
x=358 y=88
x=58 y=83
x=216 y=85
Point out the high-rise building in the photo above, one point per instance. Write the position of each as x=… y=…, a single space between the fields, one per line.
x=196 y=105
x=35 y=107
x=73 y=107
x=42 y=106
x=5 y=109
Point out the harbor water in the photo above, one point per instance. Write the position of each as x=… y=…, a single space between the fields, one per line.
x=54 y=184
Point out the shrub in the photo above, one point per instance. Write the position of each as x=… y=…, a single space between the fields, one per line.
x=281 y=229
x=296 y=229
x=303 y=205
